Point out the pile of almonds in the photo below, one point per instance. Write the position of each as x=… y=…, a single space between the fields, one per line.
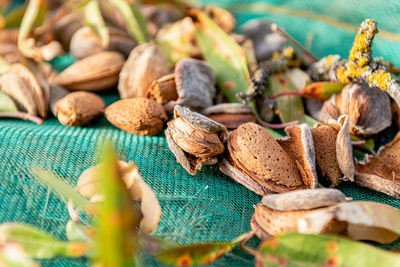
x=167 y=84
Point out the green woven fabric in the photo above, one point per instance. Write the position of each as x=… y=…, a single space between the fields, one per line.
x=207 y=207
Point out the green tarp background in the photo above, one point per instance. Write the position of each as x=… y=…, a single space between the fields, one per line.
x=209 y=206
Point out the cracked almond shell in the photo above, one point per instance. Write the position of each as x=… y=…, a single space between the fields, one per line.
x=79 y=108
x=146 y=63
x=194 y=139
x=381 y=172
x=256 y=160
x=163 y=90
x=94 y=73
x=140 y=116
x=232 y=115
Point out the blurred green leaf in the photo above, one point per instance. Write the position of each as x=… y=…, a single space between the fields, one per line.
x=117 y=222
x=135 y=22
x=38 y=244
x=7 y=104
x=78 y=232
x=12 y=255
x=290 y=108
x=64 y=190
x=321 y=250
x=322 y=90
x=199 y=254
x=223 y=54
x=94 y=20
x=14 y=17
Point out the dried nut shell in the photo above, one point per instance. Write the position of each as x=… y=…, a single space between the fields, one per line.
x=221 y=17
x=145 y=64
x=94 y=73
x=232 y=121
x=381 y=172
x=229 y=108
x=300 y=147
x=194 y=139
x=344 y=148
x=15 y=87
x=195 y=83
x=57 y=92
x=396 y=113
x=65 y=28
x=257 y=155
x=85 y=43
x=163 y=90
x=368 y=108
x=79 y=108
x=138 y=116
x=303 y=199
x=274 y=222
x=33 y=84
x=323 y=111
x=9 y=36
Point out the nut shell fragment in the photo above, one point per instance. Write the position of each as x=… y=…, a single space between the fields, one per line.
x=79 y=108
x=140 y=116
x=163 y=90
x=145 y=64
x=93 y=73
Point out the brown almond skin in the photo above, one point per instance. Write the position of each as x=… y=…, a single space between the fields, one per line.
x=79 y=108
x=140 y=116
x=256 y=153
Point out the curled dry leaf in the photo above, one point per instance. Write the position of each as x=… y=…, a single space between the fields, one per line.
x=194 y=139
x=256 y=160
x=223 y=18
x=139 y=116
x=195 y=84
x=88 y=185
x=381 y=172
x=85 y=43
x=163 y=90
x=33 y=85
x=178 y=40
x=232 y=115
x=94 y=73
x=368 y=108
x=15 y=87
x=79 y=108
x=145 y=64
x=359 y=220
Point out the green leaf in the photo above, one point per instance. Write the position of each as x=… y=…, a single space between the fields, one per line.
x=135 y=22
x=12 y=255
x=290 y=108
x=64 y=190
x=38 y=244
x=78 y=232
x=34 y=13
x=322 y=90
x=223 y=54
x=117 y=222
x=199 y=254
x=321 y=250
x=94 y=20
x=7 y=104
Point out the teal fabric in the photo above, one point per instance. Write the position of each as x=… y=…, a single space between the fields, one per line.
x=207 y=207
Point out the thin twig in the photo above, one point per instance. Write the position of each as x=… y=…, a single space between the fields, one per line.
x=275 y=28
x=299 y=93
x=22 y=115
x=276 y=126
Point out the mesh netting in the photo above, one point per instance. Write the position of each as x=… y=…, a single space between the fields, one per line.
x=209 y=206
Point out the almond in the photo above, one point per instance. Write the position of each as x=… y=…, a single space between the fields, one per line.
x=140 y=116
x=79 y=108
x=163 y=90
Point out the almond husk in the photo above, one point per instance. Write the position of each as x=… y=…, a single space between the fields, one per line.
x=381 y=172
x=94 y=73
x=33 y=84
x=300 y=147
x=232 y=121
x=163 y=90
x=140 y=116
x=145 y=64
x=223 y=18
x=256 y=154
x=79 y=108
x=15 y=87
